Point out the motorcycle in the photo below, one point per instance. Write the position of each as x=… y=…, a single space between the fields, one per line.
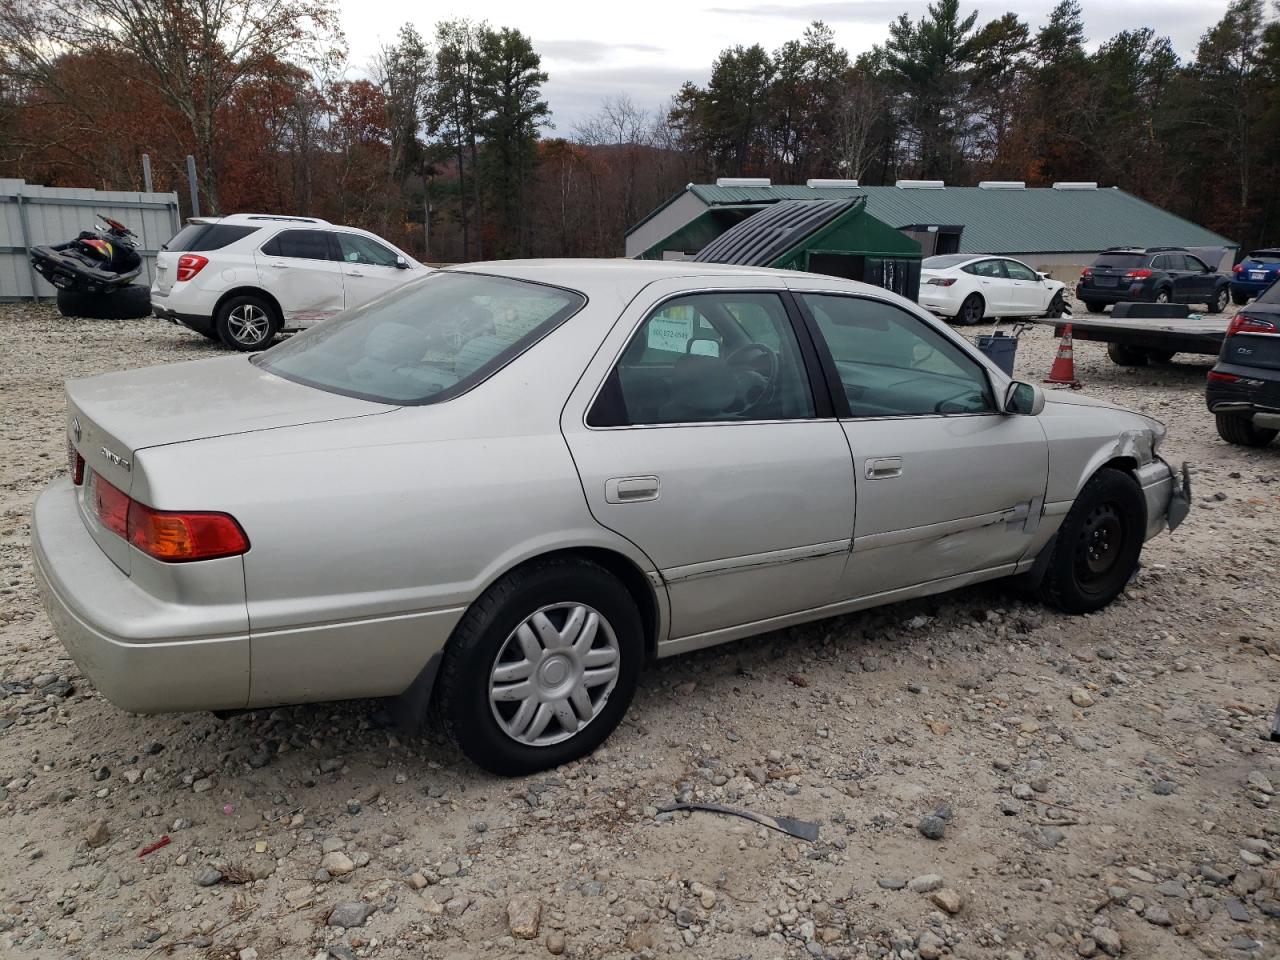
x=94 y=273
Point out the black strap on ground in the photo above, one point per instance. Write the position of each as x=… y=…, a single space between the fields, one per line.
x=800 y=829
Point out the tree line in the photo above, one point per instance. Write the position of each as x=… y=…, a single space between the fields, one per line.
x=445 y=145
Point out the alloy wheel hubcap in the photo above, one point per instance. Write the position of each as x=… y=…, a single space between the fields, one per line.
x=248 y=324
x=553 y=674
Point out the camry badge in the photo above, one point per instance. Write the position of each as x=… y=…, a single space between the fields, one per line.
x=115 y=458
x=75 y=428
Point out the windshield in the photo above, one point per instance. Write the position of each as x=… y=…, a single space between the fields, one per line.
x=1122 y=260
x=427 y=342
x=945 y=260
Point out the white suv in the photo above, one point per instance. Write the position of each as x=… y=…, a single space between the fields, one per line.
x=244 y=278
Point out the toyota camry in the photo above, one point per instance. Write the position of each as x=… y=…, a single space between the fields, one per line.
x=504 y=489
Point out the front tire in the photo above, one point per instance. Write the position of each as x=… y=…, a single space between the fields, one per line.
x=1097 y=547
x=1242 y=432
x=1239 y=299
x=971 y=310
x=1219 y=301
x=1057 y=306
x=1095 y=306
x=247 y=323
x=1160 y=356
x=542 y=667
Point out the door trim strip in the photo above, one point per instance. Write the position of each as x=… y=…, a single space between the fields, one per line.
x=713 y=568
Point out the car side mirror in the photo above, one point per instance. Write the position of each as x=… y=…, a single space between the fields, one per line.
x=402 y=263
x=1043 y=277
x=1024 y=399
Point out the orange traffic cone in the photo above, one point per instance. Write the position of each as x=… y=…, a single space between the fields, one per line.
x=1064 y=365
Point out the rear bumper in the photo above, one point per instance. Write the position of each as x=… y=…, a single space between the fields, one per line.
x=1251 y=288
x=1132 y=293
x=141 y=652
x=1254 y=396
x=195 y=321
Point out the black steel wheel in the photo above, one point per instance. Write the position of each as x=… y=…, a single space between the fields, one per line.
x=1097 y=547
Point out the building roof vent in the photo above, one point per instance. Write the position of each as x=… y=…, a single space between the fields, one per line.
x=1075 y=185
x=743 y=182
x=920 y=185
x=1003 y=185
x=829 y=184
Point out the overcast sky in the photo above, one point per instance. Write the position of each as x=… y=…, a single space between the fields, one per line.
x=648 y=48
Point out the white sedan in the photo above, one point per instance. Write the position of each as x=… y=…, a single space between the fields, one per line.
x=968 y=289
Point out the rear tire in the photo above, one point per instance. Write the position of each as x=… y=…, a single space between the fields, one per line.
x=1242 y=432
x=1219 y=301
x=486 y=657
x=1162 y=295
x=1097 y=547
x=131 y=302
x=971 y=310
x=1095 y=306
x=247 y=323
x=1239 y=299
x=1126 y=356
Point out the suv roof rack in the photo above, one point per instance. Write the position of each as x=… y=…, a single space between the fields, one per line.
x=1163 y=249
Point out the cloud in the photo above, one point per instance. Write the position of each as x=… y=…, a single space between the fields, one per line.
x=575 y=95
x=867 y=11
x=588 y=51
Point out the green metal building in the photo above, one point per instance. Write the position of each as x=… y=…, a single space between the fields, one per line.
x=1061 y=227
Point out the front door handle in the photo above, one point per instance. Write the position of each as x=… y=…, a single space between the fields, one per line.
x=882 y=468
x=354 y=273
x=280 y=266
x=631 y=489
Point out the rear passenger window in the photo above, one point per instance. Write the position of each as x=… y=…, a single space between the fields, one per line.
x=708 y=358
x=893 y=364
x=202 y=237
x=300 y=244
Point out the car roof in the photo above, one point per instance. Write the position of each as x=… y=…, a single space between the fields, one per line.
x=260 y=219
x=1144 y=250
x=620 y=277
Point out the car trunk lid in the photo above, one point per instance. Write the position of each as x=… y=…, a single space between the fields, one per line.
x=110 y=418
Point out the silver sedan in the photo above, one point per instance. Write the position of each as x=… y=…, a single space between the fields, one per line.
x=507 y=487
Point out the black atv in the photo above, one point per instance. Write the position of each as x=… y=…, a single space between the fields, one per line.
x=94 y=273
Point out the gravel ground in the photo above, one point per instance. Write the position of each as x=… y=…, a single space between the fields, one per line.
x=992 y=779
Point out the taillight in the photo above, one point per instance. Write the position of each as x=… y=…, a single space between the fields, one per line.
x=1243 y=323
x=75 y=463
x=189 y=264
x=1216 y=377
x=173 y=536
x=1142 y=274
x=1086 y=272
x=941 y=281
x=1238 y=268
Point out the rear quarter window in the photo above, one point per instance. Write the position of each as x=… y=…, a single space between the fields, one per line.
x=202 y=237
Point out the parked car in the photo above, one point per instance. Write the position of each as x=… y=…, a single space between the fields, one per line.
x=505 y=488
x=244 y=278
x=968 y=288
x=1243 y=390
x=1253 y=275
x=1152 y=275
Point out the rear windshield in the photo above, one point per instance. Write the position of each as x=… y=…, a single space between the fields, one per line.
x=1270 y=295
x=945 y=260
x=1265 y=256
x=1125 y=260
x=195 y=237
x=428 y=342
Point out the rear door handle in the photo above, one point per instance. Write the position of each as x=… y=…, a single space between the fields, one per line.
x=883 y=468
x=631 y=489
x=354 y=273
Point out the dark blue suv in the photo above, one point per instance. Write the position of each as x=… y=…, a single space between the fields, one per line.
x=1152 y=275
x=1252 y=275
x=1243 y=392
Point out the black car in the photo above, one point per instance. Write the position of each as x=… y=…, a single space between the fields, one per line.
x=1152 y=275
x=1243 y=392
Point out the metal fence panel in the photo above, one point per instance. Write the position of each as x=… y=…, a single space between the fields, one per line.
x=31 y=215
